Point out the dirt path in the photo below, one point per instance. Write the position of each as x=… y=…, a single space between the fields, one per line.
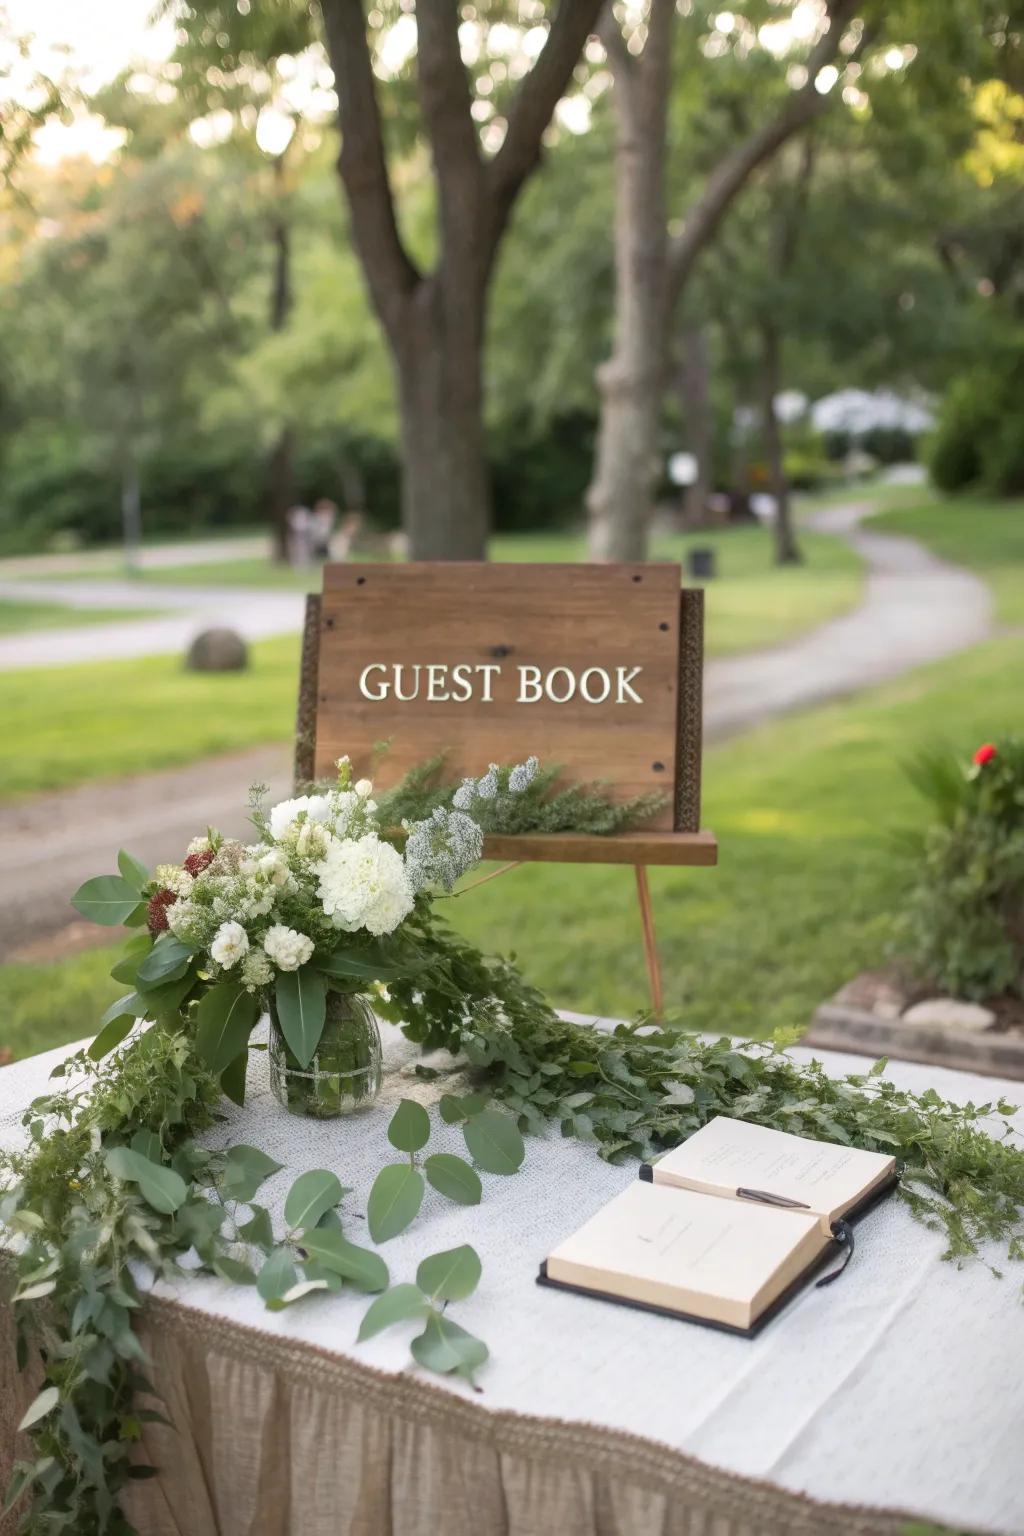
x=915 y=609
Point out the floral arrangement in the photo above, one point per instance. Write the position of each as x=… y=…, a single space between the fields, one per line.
x=119 y=1181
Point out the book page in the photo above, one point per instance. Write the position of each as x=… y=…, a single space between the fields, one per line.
x=726 y=1155
x=719 y=1259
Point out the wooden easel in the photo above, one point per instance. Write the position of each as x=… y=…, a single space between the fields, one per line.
x=575 y=614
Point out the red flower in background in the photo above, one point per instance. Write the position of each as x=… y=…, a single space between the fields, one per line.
x=985 y=753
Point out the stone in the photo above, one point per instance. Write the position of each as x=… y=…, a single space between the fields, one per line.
x=217 y=650
x=949 y=1013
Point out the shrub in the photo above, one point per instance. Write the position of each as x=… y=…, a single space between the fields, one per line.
x=979 y=439
x=965 y=918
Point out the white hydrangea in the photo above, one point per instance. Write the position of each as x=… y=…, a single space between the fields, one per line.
x=284 y=818
x=257 y=970
x=287 y=948
x=230 y=943
x=363 y=884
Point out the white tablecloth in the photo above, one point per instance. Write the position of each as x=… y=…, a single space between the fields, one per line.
x=900 y=1387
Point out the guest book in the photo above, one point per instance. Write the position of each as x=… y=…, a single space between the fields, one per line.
x=724 y=1229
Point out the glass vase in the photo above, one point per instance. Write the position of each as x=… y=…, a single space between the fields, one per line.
x=344 y=1075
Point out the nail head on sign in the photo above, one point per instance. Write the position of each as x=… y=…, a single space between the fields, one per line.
x=663 y=626
x=360 y=581
x=638 y=578
x=658 y=767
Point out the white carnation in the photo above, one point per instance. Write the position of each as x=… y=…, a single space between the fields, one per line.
x=230 y=943
x=363 y=884
x=313 y=840
x=285 y=817
x=287 y=948
x=274 y=866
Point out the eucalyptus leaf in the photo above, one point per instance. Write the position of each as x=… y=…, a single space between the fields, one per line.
x=361 y=1267
x=111 y=1036
x=168 y=960
x=445 y=1347
x=133 y=871
x=451 y=1275
x=107 y=900
x=410 y=1127
x=494 y=1141
x=245 y=1170
x=394 y=1202
x=259 y=1229
x=453 y=1177
x=45 y=1403
x=225 y=1019
x=310 y=1197
x=234 y=1270
x=233 y=1078
x=395 y=1306
x=160 y=1187
x=278 y=1275
x=301 y=998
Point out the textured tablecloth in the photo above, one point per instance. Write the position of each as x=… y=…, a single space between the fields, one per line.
x=899 y=1390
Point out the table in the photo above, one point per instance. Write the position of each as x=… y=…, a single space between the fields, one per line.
x=896 y=1394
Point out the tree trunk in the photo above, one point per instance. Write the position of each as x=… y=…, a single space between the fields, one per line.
x=445 y=483
x=787 y=551
x=131 y=507
x=280 y=489
x=630 y=383
x=698 y=422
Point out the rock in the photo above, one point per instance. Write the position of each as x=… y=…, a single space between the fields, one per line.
x=948 y=1013
x=217 y=650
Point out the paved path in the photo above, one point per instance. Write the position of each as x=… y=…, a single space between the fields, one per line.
x=152 y=557
x=179 y=614
x=915 y=609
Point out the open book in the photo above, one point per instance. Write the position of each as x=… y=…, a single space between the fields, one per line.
x=723 y=1229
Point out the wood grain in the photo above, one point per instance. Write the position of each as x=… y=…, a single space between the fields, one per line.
x=699 y=849
x=574 y=616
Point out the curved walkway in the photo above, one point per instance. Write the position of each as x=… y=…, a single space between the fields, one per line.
x=915 y=609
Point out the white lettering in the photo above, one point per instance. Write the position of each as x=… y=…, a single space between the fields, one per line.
x=407 y=698
x=602 y=677
x=375 y=666
x=529 y=679
x=549 y=686
x=436 y=674
x=462 y=681
x=488 y=669
x=624 y=678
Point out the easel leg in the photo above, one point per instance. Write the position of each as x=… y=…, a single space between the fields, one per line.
x=650 y=942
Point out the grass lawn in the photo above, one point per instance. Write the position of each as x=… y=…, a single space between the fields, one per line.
x=64 y=725
x=807 y=892
x=16 y=616
x=982 y=533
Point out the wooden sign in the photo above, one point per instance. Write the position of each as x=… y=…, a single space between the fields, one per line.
x=597 y=668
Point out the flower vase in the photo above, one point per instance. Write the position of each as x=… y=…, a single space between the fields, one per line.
x=345 y=1073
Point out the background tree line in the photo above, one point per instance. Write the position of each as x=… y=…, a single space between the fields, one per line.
x=569 y=239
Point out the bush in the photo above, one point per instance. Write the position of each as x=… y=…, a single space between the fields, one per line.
x=979 y=439
x=965 y=919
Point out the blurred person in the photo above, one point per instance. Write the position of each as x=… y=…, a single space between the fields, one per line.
x=321 y=527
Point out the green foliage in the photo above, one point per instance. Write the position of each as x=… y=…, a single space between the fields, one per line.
x=542 y=807
x=978 y=441
x=965 y=913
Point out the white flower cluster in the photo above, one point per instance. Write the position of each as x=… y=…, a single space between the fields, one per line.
x=439 y=850
x=364 y=884
x=489 y=787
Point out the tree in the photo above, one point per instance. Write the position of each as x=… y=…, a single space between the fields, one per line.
x=654 y=265
x=434 y=319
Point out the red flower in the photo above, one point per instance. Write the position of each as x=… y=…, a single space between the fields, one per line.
x=197 y=862
x=156 y=910
x=985 y=753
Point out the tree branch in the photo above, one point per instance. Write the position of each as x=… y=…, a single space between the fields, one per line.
x=389 y=270
x=535 y=102
x=739 y=164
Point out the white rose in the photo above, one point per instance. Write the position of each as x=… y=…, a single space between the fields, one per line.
x=230 y=943
x=284 y=817
x=287 y=948
x=363 y=788
x=274 y=866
